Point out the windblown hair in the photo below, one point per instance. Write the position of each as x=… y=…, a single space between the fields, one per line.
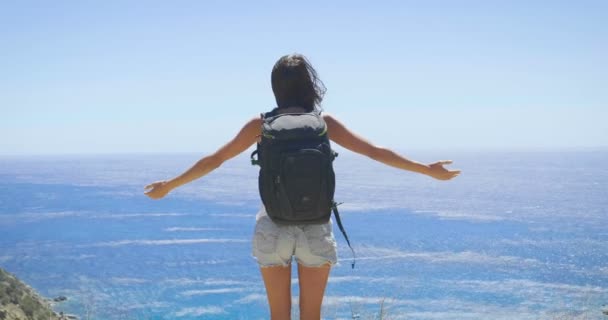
x=296 y=83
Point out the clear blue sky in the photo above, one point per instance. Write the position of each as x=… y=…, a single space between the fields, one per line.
x=166 y=76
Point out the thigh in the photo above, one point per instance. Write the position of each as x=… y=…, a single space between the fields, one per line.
x=277 y=280
x=312 y=281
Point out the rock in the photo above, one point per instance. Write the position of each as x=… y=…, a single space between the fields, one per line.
x=60 y=299
x=19 y=301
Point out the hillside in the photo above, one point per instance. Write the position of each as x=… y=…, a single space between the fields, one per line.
x=20 y=302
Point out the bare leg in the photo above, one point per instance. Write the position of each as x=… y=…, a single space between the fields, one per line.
x=312 y=288
x=278 y=289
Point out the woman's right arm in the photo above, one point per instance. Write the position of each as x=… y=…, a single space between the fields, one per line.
x=246 y=137
x=346 y=138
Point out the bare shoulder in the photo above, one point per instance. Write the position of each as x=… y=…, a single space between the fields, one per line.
x=250 y=130
x=253 y=124
x=327 y=116
x=340 y=134
x=255 y=121
x=334 y=126
x=329 y=119
x=246 y=136
x=253 y=127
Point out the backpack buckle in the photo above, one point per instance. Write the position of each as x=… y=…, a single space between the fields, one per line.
x=254 y=161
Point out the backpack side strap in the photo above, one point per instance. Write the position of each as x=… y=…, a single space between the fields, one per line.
x=335 y=209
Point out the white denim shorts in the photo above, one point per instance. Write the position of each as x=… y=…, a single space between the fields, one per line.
x=274 y=245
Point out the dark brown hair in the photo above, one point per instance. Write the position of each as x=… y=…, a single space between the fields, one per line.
x=296 y=83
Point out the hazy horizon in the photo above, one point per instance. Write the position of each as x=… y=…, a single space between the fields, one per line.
x=339 y=149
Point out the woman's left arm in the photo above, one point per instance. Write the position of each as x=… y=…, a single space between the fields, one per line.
x=243 y=140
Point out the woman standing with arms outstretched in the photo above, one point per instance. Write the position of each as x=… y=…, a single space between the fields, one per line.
x=297 y=89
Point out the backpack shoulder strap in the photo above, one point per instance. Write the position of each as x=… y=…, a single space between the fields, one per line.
x=255 y=154
x=271 y=113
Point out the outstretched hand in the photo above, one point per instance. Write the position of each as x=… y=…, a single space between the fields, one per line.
x=437 y=170
x=157 y=190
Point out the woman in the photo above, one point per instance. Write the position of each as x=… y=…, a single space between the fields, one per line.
x=297 y=88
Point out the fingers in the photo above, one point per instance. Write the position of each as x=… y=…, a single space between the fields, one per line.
x=149 y=189
x=454 y=174
x=442 y=163
x=448 y=174
x=155 y=190
x=152 y=194
x=153 y=184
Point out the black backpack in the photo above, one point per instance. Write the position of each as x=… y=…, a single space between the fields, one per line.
x=296 y=179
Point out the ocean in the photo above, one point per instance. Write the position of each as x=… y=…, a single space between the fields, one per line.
x=518 y=235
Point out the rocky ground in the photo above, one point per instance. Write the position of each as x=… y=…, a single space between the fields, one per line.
x=20 y=302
